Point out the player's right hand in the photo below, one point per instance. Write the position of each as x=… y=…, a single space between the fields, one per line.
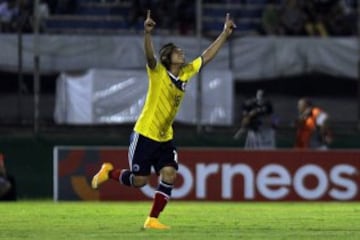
x=149 y=23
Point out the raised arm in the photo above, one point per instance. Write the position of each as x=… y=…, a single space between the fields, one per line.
x=212 y=50
x=149 y=25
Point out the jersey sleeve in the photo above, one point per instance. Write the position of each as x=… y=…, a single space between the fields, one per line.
x=192 y=68
x=155 y=69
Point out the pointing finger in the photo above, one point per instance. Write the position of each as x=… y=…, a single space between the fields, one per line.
x=227 y=17
x=148 y=13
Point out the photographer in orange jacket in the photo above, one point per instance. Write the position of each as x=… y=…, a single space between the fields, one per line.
x=312 y=126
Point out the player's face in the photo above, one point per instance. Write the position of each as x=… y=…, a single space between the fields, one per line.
x=301 y=106
x=177 y=56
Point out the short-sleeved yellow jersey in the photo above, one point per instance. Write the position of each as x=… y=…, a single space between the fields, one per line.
x=164 y=96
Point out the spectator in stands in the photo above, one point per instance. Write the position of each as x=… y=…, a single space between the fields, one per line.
x=44 y=13
x=44 y=10
x=8 y=13
x=312 y=126
x=26 y=13
x=292 y=18
x=259 y=123
x=171 y=18
x=7 y=183
x=342 y=20
x=270 y=19
x=319 y=15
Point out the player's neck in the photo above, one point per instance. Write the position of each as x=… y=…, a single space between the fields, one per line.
x=175 y=69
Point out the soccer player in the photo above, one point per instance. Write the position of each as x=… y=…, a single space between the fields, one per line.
x=151 y=143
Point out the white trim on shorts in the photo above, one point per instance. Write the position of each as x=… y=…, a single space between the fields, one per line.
x=132 y=148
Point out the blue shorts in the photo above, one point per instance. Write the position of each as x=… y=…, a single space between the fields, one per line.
x=145 y=153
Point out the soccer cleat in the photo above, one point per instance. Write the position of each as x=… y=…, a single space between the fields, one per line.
x=153 y=223
x=102 y=175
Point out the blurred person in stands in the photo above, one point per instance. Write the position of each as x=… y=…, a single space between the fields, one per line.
x=342 y=21
x=314 y=25
x=26 y=12
x=270 y=19
x=44 y=9
x=25 y=19
x=312 y=126
x=325 y=17
x=44 y=13
x=259 y=123
x=151 y=143
x=8 y=13
x=292 y=18
x=7 y=183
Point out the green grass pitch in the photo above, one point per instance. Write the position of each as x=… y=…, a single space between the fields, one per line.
x=188 y=220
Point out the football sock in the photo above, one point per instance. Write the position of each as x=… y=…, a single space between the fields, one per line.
x=114 y=174
x=126 y=177
x=161 y=198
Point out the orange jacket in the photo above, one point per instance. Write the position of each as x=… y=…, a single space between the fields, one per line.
x=306 y=128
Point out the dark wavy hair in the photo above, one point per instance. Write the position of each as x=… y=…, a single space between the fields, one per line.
x=165 y=54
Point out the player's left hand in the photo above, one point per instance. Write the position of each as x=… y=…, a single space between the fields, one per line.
x=229 y=25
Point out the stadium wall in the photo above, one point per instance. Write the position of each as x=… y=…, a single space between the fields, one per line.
x=250 y=58
x=218 y=175
x=30 y=159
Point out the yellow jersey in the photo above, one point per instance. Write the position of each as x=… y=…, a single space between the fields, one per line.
x=164 y=97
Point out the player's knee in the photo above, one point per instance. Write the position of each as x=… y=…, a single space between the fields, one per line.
x=168 y=174
x=140 y=181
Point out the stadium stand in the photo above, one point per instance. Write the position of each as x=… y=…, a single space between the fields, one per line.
x=91 y=17
x=111 y=16
x=247 y=17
